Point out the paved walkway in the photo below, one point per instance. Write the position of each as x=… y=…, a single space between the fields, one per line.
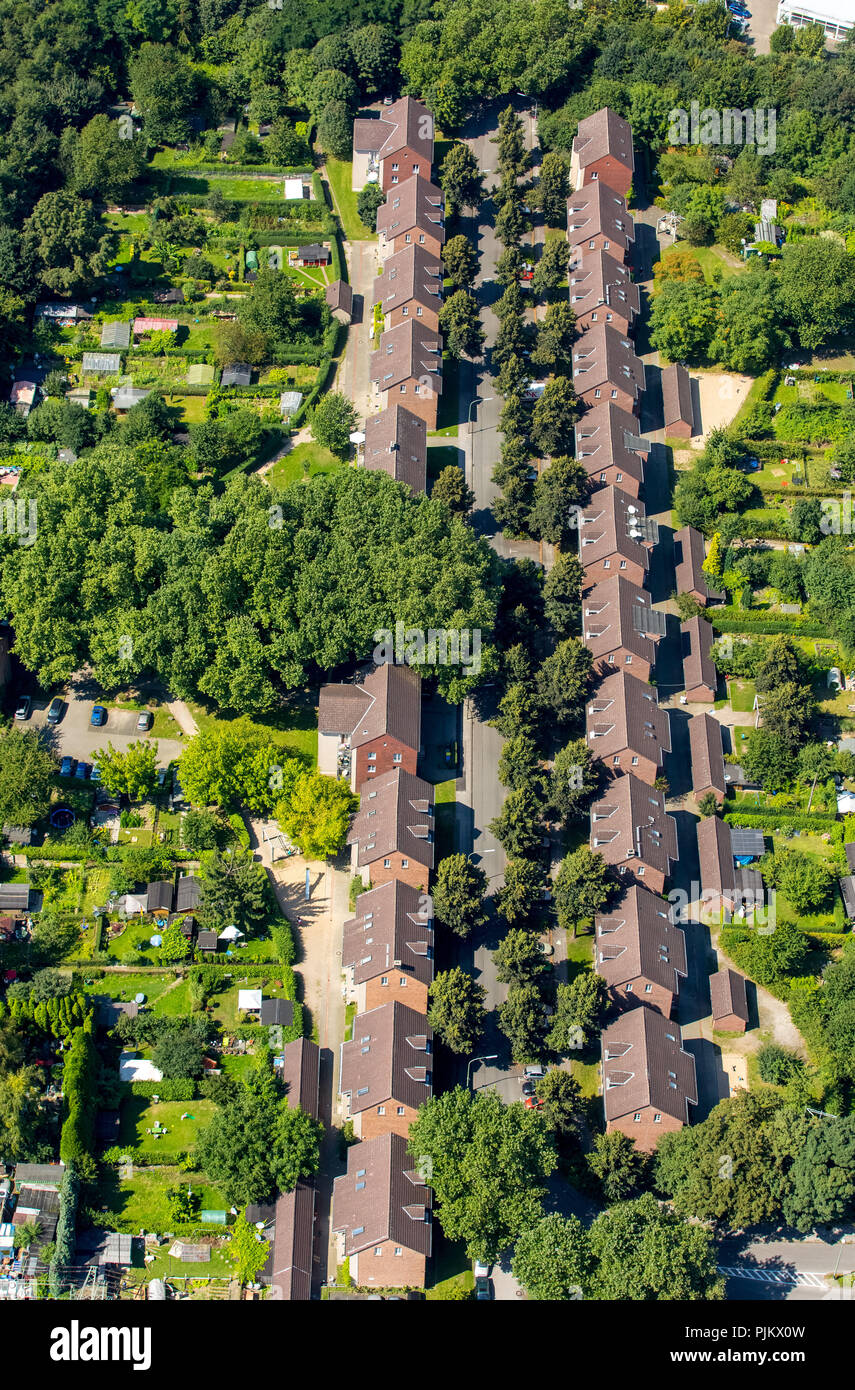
x=317 y=927
x=182 y=716
x=353 y=377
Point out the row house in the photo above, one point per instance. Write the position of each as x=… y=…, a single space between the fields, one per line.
x=632 y=831
x=388 y=947
x=407 y=369
x=640 y=954
x=597 y=220
x=606 y=368
x=689 y=556
x=602 y=291
x=621 y=628
x=413 y=215
x=615 y=537
x=410 y=286
x=677 y=406
x=381 y=1214
x=394 y=148
x=392 y=833
x=602 y=152
x=626 y=729
x=649 y=1079
x=396 y=443
x=370 y=729
x=289 y=1223
x=387 y=1069
x=610 y=449
x=707 y=756
x=700 y=676
x=724 y=886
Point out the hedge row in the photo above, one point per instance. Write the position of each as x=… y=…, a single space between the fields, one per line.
x=771 y=818
x=222 y=170
x=178 y=1088
x=740 y=620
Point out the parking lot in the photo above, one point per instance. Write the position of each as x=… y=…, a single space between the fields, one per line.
x=74 y=737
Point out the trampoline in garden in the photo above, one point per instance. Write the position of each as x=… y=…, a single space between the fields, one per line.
x=61 y=817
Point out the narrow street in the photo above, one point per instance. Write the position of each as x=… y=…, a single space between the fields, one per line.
x=480 y=793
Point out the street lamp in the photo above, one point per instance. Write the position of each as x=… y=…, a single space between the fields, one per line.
x=528 y=98
x=472 y=404
x=493 y=1057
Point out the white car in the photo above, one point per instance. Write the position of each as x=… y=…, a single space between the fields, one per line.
x=480 y=1270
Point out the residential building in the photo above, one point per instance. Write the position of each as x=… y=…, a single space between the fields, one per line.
x=605 y=368
x=395 y=147
x=382 y=1211
x=640 y=953
x=707 y=757
x=407 y=369
x=379 y=721
x=621 y=627
x=633 y=833
x=689 y=556
x=290 y=1222
x=602 y=291
x=626 y=729
x=724 y=886
x=387 y=948
x=597 y=220
x=602 y=152
x=610 y=449
x=700 y=676
x=679 y=412
x=393 y=831
x=615 y=537
x=387 y=1069
x=396 y=443
x=410 y=286
x=413 y=214
x=729 y=1001
x=649 y=1079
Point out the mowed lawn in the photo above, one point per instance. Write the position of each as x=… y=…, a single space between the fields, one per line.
x=304 y=461
x=339 y=173
x=294 y=728
x=140 y=1201
x=139 y=1115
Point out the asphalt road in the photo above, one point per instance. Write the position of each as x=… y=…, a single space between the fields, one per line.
x=482 y=795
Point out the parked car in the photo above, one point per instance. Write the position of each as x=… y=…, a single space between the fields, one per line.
x=162 y=774
x=145 y=721
x=23 y=707
x=481 y=1270
x=98 y=717
x=66 y=767
x=528 y=1088
x=533 y=1103
x=534 y=1071
x=81 y=772
x=95 y=773
x=483 y=1289
x=56 y=709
